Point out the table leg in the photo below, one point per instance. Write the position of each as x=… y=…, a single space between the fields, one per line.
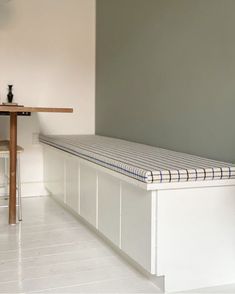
x=13 y=162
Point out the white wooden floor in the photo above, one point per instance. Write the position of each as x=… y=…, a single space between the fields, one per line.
x=52 y=252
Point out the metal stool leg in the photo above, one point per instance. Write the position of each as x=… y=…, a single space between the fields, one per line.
x=6 y=178
x=19 y=189
x=5 y=182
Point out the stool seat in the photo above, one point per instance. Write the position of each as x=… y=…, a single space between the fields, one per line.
x=5 y=147
x=5 y=154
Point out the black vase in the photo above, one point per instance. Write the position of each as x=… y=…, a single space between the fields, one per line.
x=10 y=94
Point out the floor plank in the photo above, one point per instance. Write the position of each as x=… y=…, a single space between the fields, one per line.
x=51 y=251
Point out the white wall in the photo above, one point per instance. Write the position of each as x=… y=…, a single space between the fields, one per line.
x=47 y=51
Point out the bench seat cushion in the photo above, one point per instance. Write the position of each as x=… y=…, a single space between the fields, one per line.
x=142 y=162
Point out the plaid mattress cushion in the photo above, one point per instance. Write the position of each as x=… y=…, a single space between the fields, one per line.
x=142 y=162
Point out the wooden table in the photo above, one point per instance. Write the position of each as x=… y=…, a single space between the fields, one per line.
x=14 y=111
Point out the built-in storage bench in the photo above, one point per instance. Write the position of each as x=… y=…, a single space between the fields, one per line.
x=171 y=213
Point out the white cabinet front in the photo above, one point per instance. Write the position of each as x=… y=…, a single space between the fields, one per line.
x=136 y=224
x=88 y=195
x=54 y=172
x=109 y=207
x=72 y=182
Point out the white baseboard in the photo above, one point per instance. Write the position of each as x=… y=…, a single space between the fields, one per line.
x=30 y=189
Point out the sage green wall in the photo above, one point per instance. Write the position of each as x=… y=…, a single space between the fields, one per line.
x=166 y=74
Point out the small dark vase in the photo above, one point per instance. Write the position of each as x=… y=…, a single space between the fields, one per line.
x=10 y=94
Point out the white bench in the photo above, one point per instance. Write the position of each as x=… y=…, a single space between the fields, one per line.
x=171 y=214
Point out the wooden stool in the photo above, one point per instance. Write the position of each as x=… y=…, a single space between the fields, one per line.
x=4 y=153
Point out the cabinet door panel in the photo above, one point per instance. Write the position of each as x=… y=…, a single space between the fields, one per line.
x=71 y=182
x=109 y=207
x=54 y=172
x=47 y=168
x=136 y=224
x=88 y=184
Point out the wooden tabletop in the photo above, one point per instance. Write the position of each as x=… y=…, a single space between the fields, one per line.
x=4 y=108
